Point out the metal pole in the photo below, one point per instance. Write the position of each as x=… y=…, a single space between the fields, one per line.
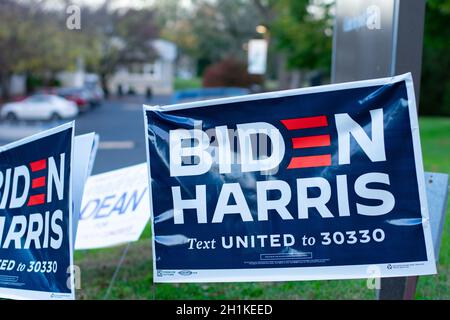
x=391 y=46
x=116 y=272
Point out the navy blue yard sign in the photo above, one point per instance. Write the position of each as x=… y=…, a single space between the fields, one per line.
x=316 y=183
x=36 y=216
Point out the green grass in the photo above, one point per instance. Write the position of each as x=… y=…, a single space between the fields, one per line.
x=435 y=140
x=134 y=280
x=180 y=84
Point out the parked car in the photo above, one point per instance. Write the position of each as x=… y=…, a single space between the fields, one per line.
x=92 y=83
x=40 y=107
x=81 y=96
x=96 y=94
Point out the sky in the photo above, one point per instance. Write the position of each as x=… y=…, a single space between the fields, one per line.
x=113 y=4
x=136 y=4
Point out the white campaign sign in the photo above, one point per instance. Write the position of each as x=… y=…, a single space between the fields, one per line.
x=115 y=208
x=257 y=56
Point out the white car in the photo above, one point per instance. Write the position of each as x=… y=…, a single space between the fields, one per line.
x=40 y=107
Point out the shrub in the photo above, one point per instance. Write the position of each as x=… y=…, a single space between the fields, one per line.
x=230 y=73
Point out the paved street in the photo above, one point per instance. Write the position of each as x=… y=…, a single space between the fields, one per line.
x=119 y=123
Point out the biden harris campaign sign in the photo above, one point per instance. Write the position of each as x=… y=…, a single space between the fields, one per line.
x=316 y=183
x=36 y=216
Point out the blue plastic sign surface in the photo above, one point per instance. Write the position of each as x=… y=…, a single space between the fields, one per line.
x=307 y=184
x=36 y=242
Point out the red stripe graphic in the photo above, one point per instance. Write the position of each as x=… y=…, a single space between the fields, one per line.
x=38 y=182
x=38 y=165
x=36 y=200
x=305 y=123
x=310 y=161
x=311 y=141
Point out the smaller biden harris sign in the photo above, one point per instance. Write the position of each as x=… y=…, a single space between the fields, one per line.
x=36 y=242
x=315 y=183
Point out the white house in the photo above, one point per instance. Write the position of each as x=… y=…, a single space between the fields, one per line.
x=145 y=77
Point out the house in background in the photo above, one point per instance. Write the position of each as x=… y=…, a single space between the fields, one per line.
x=17 y=85
x=137 y=74
x=142 y=77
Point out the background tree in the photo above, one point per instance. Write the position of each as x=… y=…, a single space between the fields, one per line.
x=122 y=37
x=209 y=31
x=34 y=41
x=302 y=29
x=435 y=84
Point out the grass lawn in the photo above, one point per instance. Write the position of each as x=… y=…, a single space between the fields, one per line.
x=134 y=280
x=194 y=83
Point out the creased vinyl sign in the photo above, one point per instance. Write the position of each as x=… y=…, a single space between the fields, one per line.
x=36 y=242
x=115 y=208
x=316 y=183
